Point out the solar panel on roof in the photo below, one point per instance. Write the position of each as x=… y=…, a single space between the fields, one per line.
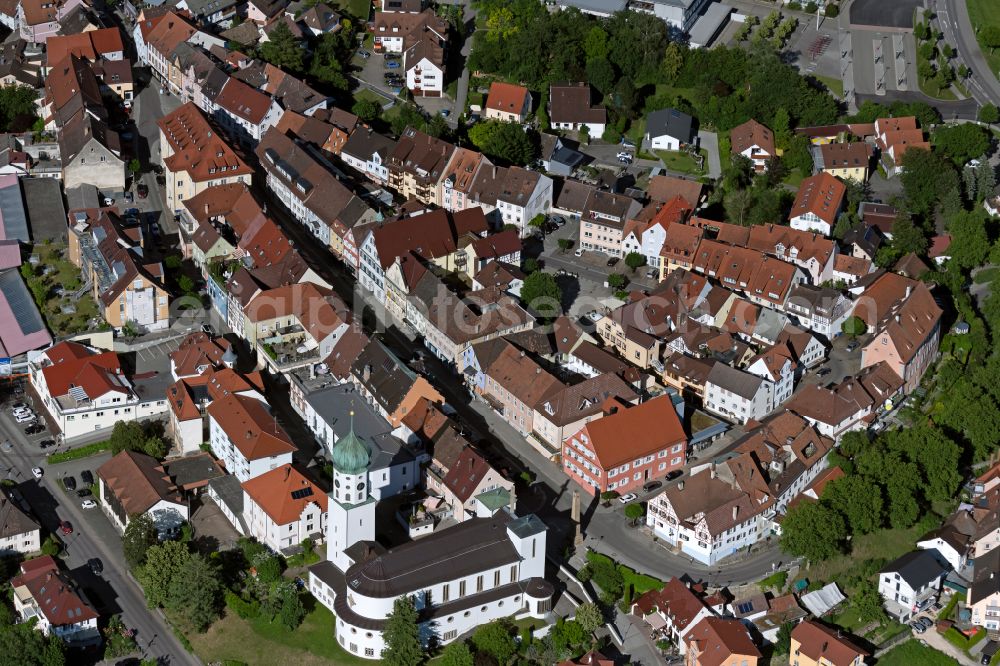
x=302 y=492
x=745 y=607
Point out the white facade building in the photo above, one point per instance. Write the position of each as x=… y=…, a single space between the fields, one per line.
x=245 y=438
x=281 y=508
x=736 y=395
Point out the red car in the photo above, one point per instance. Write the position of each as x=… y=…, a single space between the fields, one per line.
x=66 y=527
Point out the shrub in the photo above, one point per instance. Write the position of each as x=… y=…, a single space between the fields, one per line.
x=79 y=452
x=247 y=610
x=832 y=11
x=794 y=6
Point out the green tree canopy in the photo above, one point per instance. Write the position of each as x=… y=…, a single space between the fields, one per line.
x=813 y=530
x=402 y=635
x=541 y=293
x=970 y=242
x=634 y=260
x=589 y=616
x=503 y=141
x=927 y=176
x=367 y=110
x=634 y=512
x=962 y=143
x=495 y=639
x=988 y=113
x=283 y=50
x=164 y=563
x=23 y=645
x=853 y=326
x=194 y=594
x=139 y=537
x=859 y=501
x=456 y=654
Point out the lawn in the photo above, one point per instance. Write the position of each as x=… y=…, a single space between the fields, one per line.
x=639 y=583
x=61 y=273
x=848 y=619
x=929 y=88
x=794 y=178
x=983 y=13
x=682 y=161
x=358 y=8
x=261 y=642
x=368 y=95
x=986 y=275
x=912 y=653
x=834 y=85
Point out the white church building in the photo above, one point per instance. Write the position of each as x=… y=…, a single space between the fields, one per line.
x=459 y=578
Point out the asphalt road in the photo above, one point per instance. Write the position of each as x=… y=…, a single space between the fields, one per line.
x=114 y=591
x=953 y=17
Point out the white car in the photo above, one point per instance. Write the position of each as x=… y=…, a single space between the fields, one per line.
x=37 y=472
x=21 y=409
x=624 y=156
x=24 y=418
x=578 y=253
x=625 y=499
x=88 y=504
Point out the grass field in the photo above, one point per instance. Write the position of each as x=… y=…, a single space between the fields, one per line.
x=61 y=274
x=366 y=94
x=260 y=642
x=681 y=161
x=357 y=8
x=912 y=653
x=983 y=13
x=834 y=85
x=986 y=275
x=794 y=178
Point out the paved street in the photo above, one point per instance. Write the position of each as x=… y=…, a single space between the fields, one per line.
x=953 y=17
x=93 y=536
x=710 y=142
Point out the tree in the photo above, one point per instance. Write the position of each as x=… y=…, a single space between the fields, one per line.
x=367 y=110
x=21 y=644
x=185 y=284
x=601 y=74
x=283 y=50
x=969 y=241
x=164 y=562
x=634 y=512
x=194 y=594
x=495 y=639
x=287 y=605
x=127 y=436
x=813 y=530
x=617 y=281
x=989 y=35
x=783 y=642
x=505 y=142
x=926 y=176
x=988 y=113
x=868 y=602
x=567 y=634
x=456 y=654
x=853 y=326
x=541 y=293
x=17 y=107
x=584 y=134
x=537 y=222
x=962 y=143
x=134 y=166
x=606 y=576
x=500 y=24
x=326 y=64
x=595 y=44
x=139 y=537
x=589 y=616
x=565 y=244
x=832 y=11
x=673 y=61
x=402 y=635
x=859 y=500
x=634 y=260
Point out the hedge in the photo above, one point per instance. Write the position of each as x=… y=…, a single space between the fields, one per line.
x=77 y=453
x=248 y=610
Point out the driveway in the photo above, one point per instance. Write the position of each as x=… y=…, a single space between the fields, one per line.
x=710 y=142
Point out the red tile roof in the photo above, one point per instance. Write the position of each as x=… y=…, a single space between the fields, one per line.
x=95 y=373
x=138 y=482
x=463 y=478
x=284 y=493
x=198 y=350
x=507 y=97
x=752 y=133
x=197 y=148
x=821 y=195
x=88 y=45
x=244 y=102
x=635 y=431
x=819 y=642
x=250 y=426
x=54 y=592
x=719 y=639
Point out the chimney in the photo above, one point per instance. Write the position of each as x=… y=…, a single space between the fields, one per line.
x=712 y=472
x=249 y=434
x=736 y=511
x=680 y=485
x=909 y=289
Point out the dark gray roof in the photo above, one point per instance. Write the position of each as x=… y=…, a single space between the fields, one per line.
x=384 y=375
x=363 y=143
x=334 y=405
x=471 y=547
x=670 y=122
x=46 y=212
x=917 y=568
x=229 y=491
x=13 y=521
x=986 y=578
x=197 y=469
x=12 y=214
x=735 y=381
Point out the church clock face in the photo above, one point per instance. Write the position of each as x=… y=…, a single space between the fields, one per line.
x=336 y=483
x=361 y=486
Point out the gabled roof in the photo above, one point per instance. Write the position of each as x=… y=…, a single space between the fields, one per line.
x=138 y=482
x=749 y=134
x=674 y=600
x=284 y=493
x=507 y=97
x=917 y=568
x=573 y=103
x=819 y=642
x=197 y=148
x=250 y=426
x=466 y=474
x=718 y=640
x=198 y=350
x=821 y=195
x=670 y=122
x=626 y=432
x=54 y=591
x=89 y=45
x=93 y=373
x=244 y=102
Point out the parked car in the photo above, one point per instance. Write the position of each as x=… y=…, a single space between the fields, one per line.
x=84 y=492
x=129 y=197
x=823 y=372
x=207 y=328
x=18 y=406
x=627 y=144
x=37 y=472
x=132 y=212
x=652 y=273
x=854 y=344
x=393 y=56
x=96 y=566
x=559 y=221
x=364 y=54
x=673 y=475
x=989 y=650
x=579 y=252
x=66 y=527
x=88 y=504
x=392 y=64
x=69 y=482
x=625 y=499
x=46 y=443
x=651 y=486
x=143 y=190
x=917 y=627
x=624 y=155
x=926 y=622
x=25 y=418
x=87 y=477
x=613 y=260
x=34 y=429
